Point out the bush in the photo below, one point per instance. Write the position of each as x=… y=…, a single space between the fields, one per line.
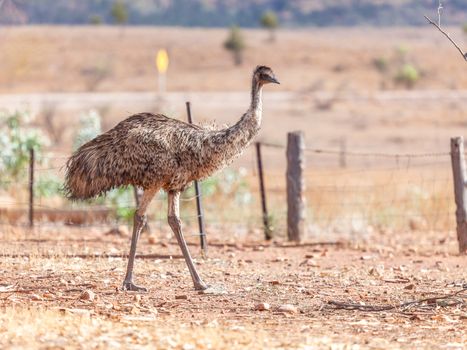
x=381 y=64
x=464 y=28
x=408 y=75
x=89 y=128
x=236 y=44
x=270 y=21
x=16 y=139
x=119 y=12
x=95 y=20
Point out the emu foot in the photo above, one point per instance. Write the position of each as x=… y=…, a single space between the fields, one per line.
x=200 y=285
x=214 y=290
x=130 y=286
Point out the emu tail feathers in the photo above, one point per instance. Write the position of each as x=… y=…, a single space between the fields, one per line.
x=85 y=176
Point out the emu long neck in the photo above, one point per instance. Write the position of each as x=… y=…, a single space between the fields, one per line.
x=225 y=145
x=241 y=133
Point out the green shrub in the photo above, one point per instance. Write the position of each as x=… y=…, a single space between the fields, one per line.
x=270 y=21
x=17 y=137
x=89 y=128
x=236 y=44
x=95 y=20
x=408 y=75
x=381 y=64
x=119 y=12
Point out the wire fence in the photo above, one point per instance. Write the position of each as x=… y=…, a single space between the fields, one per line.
x=346 y=193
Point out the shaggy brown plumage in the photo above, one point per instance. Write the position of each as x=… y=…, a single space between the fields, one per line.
x=152 y=150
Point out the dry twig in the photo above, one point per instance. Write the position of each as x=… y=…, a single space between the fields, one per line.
x=376 y=308
x=464 y=54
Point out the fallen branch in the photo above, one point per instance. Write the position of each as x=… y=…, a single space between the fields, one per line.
x=376 y=308
x=464 y=54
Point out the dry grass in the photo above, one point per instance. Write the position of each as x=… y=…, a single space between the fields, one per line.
x=57 y=58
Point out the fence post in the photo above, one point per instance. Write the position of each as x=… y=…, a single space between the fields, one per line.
x=199 y=206
x=262 y=189
x=31 y=188
x=295 y=186
x=460 y=190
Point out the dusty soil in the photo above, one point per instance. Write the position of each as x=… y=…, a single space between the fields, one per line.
x=60 y=291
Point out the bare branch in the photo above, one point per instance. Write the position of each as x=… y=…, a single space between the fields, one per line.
x=464 y=54
x=377 y=308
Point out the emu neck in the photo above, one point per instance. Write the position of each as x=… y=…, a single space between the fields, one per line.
x=249 y=124
x=227 y=144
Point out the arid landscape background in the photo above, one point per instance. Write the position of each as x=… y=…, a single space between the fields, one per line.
x=380 y=229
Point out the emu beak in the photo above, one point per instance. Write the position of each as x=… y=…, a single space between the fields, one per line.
x=274 y=80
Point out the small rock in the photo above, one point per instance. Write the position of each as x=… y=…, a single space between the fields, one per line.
x=410 y=286
x=118 y=231
x=288 y=308
x=274 y=282
x=417 y=224
x=262 y=307
x=152 y=239
x=181 y=297
x=88 y=295
x=377 y=271
x=35 y=297
x=309 y=262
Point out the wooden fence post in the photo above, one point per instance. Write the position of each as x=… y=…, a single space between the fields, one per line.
x=460 y=190
x=262 y=189
x=31 y=187
x=295 y=186
x=199 y=206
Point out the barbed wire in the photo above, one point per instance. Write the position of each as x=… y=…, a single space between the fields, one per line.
x=364 y=154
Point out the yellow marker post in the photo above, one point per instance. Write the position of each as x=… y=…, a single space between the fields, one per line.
x=162 y=64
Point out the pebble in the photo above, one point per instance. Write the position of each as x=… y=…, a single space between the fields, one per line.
x=262 y=307
x=88 y=295
x=288 y=308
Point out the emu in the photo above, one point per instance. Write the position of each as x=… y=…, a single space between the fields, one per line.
x=155 y=152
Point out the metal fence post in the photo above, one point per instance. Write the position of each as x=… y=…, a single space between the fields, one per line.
x=31 y=187
x=199 y=206
x=460 y=190
x=262 y=188
x=295 y=186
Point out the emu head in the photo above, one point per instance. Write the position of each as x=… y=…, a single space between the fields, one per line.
x=264 y=75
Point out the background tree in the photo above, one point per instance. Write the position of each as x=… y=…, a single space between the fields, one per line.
x=270 y=21
x=236 y=44
x=95 y=20
x=119 y=12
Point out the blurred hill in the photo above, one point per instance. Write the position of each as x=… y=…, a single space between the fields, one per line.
x=215 y=13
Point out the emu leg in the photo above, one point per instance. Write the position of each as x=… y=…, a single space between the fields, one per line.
x=139 y=223
x=176 y=226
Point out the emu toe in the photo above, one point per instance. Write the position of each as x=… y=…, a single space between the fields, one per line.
x=201 y=285
x=132 y=287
